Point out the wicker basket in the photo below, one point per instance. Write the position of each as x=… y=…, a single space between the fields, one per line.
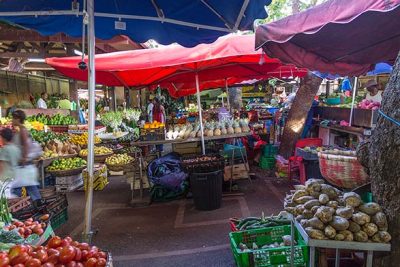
x=124 y=167
x=67 y=172
x=342 y=170
x=102 y=158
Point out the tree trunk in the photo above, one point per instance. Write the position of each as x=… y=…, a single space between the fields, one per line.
x=298 y=113
x=383 y=165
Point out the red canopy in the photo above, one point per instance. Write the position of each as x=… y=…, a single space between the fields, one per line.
x=345 y=37
x=232 y=57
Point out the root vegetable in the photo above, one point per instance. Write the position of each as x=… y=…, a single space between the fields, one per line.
x=370 y=229
x=333 y=204
x=330 y=232
x=307 y=214
x=345 y=212
x=324 y=214
x=382 y=236
x=339 y=223
x=370 y=208
x=354 y=227
x=299 y=209
x=303 y=200
x=314 y=209
x=298 y=194
x=361 y=236
x=339 y=237
x=380 y=220
x=361 y=218
x=315 y=234
x=316 y=223
x=323 y=199
x=312 y=185
x=329 y=190
x=348 y=236
x=352 y=199
x=311 y=203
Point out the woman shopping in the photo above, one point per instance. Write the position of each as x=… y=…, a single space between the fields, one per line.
x=26 y=174
x=10 y=155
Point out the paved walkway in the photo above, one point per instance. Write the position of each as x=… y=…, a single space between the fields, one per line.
x=170 y=234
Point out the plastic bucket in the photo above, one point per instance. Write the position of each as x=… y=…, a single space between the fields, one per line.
x=207 y=190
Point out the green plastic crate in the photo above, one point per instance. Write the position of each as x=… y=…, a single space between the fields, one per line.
x=271 y=257
x=267 y=163
x=59 y=219
x=270 y=151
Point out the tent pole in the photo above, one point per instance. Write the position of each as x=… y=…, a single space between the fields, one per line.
x=203 y=147
x=353 y=100
x=87 y=234
x=227 y=95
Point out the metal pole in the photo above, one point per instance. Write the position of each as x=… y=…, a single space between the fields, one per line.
x=203 y=147
x=227 y=95
x=87 y=234
x=352 y=101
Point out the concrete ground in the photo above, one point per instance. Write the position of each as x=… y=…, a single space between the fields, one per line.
x=174 y=233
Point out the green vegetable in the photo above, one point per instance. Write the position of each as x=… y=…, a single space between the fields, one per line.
x=10 y=237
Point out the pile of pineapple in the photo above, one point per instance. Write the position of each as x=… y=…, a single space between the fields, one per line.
x=213 y=128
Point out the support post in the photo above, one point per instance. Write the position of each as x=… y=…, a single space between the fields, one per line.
x=353 y=100
x=87 y=234
x=203 y=147
x=227 y=95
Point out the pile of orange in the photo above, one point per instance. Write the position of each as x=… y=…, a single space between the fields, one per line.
x=154 y=125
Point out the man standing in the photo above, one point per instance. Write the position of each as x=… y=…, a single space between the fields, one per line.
x=41 y=103
x=150 y=110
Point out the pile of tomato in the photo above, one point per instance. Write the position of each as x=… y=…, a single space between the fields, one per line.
x=57 y=253
x=25 y=229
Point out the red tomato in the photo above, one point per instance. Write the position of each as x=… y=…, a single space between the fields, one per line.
x=68 y=238
x=19 y=224
x=41 y=255
x=12 y=227
x=37 y=228
x=102 y=254
x=67 y=254
x=33 y=263
x=53 y=259
x=17 y=250
x=92 y=254
x=3 y=255
x=85 y=254
x=65 y=243
x=48 y=264
x=54 y=242
x=91 y=262
x=59 y=249
x=19 y=265
x=40 y=231
x=84 y=246
x=75 y=244
x=79 y=264
x=39 y=248
x=29 y=220
x=52 y=251
x=101 y=262
x=94 y=248
x=43 y=225
x=4 y=261
x=71 y=264
x=60 y=265
x=78 y=254
x=21 y=258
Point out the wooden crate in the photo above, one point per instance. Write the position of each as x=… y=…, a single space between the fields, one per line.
x=239 y=171
x=187 y=148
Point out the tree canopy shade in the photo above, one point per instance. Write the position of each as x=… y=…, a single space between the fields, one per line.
x=336 y=36
x=186 y=22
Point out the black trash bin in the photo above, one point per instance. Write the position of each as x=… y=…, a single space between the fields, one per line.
x=312 y=169
x=207 y=189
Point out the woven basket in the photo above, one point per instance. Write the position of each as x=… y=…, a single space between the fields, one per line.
x=102 y=158
x=67 y=172
x=342 y=171
x=124 y=167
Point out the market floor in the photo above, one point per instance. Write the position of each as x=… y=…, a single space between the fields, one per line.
x=173 y=233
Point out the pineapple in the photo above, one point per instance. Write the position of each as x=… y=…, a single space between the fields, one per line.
x=223 y=127
x=195 y=130
x=245 y=125
x=217 y=131
x=236 y=127
x=210 y=131
x=230 y=129
x=199 y=132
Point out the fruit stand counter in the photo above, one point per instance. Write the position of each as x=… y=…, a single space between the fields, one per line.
x=188 y=140
x=370 y=247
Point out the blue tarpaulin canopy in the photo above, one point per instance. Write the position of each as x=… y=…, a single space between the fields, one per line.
x=187 y=22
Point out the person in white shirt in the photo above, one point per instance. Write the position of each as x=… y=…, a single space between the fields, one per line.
x=41 y=103
x=150 y=111
x=374 y=93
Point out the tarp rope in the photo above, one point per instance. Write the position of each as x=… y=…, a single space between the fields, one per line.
x=389 y=118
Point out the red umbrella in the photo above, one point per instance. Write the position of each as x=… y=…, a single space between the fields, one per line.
x=335 y=37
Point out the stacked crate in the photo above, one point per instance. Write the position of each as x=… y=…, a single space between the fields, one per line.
x=70 y=183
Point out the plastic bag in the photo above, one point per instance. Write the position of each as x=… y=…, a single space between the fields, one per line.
x=167 y=172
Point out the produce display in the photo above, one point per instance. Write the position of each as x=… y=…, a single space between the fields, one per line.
x=82 y=139
x=25 y=229
x=66 y=164
x=250 y=223
x=212 y=128
x=119 y=159
x=131 y=150
x=98 y=150
x=112 y=119
x=113 y=147
x=153 y=125
x=130 y=137
x=328 y=213
x=56 y=148
x=369 y=104
x=57 y=252
x=100 y=177
x=286 y=241
x=57 y=119
x=44 y=137
x=35 y=125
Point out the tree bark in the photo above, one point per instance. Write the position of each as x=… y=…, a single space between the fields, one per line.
x=384 y=167
x=298 y=113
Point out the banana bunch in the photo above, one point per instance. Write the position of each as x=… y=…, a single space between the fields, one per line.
x=119 y=159
x=98 y=150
